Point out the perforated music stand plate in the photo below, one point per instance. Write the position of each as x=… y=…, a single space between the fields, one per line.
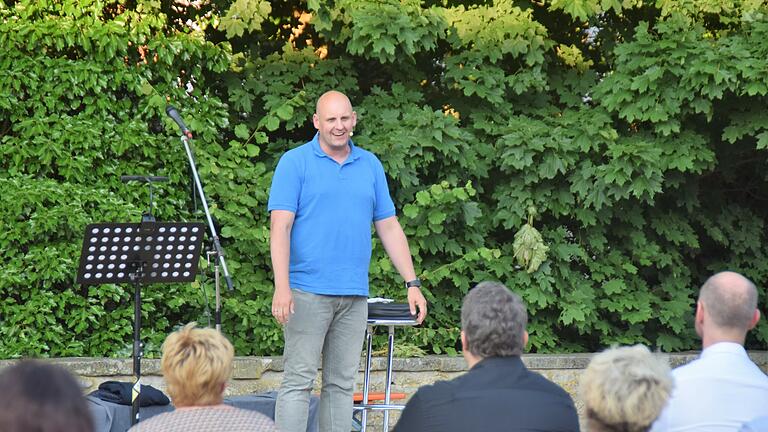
x=164 y=251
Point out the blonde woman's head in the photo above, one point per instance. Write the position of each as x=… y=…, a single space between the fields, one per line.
x=196 y=365
x=624 y=389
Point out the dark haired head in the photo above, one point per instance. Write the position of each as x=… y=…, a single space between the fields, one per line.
x=41 y=397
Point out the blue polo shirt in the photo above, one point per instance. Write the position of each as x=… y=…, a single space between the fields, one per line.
x=334 y=206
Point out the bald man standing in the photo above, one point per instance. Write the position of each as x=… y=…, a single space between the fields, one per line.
x=325 y=196
x=723 y=388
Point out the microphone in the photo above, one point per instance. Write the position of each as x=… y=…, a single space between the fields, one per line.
x=171 y=111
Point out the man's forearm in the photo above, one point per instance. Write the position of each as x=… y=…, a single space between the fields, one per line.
x=280 y=251
x=396 y=244
x=280 y=257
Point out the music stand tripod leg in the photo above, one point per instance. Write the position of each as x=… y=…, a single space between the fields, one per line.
x=137 y=351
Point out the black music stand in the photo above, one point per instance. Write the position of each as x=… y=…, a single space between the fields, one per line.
x=140 y=253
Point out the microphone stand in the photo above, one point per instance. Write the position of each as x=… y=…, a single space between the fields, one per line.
x=217 y=250
x=217 y=312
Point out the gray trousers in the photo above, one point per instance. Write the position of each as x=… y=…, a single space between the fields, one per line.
x=332 y=327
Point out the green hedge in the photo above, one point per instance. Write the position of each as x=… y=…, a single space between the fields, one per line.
x=633 y=133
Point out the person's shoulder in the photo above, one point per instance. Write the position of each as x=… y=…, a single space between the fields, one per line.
x=702 y=365
x=690 y=368
x=157 y=422
x=298 y=152
x=255 y=418
x=532 y=381
x=366 y=155
x=206 y=418
x=251 y=414
x=362 y=151
x=295 y=159
x=707 y=368
x=439 y=391
x=546 y=385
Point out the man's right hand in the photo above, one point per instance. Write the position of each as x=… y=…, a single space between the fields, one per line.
x=282 y=305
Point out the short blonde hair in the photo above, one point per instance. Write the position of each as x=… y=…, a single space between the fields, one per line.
x=196 y=364
x=625 y=389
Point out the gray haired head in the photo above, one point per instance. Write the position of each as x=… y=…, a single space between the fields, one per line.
x=493 y=319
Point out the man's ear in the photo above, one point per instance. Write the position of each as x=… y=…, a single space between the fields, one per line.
x=755 y=319
x=700 y=317
x=316 y=121
x=463 y=341
x=525 y=338
x=699 y=311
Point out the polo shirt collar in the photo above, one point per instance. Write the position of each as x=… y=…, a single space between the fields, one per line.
x=354 y=153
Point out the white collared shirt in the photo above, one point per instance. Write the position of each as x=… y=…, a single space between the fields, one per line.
x=717 y=392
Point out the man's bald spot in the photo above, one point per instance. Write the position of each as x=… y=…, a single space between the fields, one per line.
x=331 y=97
x=730 y=299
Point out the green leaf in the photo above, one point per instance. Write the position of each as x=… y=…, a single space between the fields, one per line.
x=614 y=286
x=436 y=217
x=423 y=198
x=252 y=150
x=471 y=212
x=284 y=112
x=410 y=211
x=762 y=141
x=241 y=131
x=271 y=123
x=146 y=88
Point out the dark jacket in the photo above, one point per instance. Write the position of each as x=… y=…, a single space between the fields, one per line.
x=497 y=394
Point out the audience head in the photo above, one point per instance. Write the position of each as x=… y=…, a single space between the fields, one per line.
x=41 y=397
x=493 y=321
x=727 y=308
x=196 y=365
x=625 y=389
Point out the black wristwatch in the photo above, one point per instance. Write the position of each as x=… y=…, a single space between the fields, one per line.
x=413 y=283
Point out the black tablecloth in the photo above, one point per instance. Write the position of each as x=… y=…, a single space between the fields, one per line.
x=111 y=417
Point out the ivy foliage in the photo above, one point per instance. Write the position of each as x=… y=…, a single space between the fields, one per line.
x=636 y=130
x=82 y=99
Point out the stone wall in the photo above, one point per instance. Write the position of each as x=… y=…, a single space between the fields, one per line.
x=261 y=374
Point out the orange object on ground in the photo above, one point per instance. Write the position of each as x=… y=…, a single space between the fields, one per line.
x=377 y=396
